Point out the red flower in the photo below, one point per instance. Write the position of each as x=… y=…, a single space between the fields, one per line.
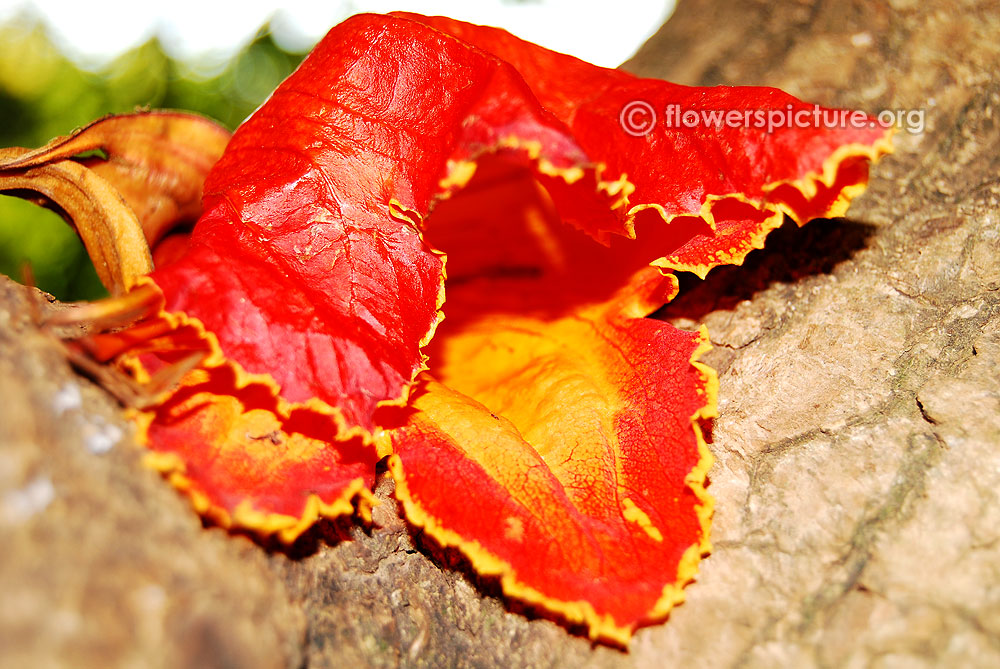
x=547 y=428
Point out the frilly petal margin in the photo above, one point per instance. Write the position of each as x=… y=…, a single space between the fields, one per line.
x=245 y=457
x=729 y=227
x=308 y=292
x=608 y=550
x=248 y=460
x=719 y=188
x=302 y=267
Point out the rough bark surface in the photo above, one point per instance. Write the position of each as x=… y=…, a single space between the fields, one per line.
x=857 y=519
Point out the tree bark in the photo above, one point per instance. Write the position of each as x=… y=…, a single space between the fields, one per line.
x=857 y=515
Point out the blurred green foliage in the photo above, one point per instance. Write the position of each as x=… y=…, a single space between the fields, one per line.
x=43 y=94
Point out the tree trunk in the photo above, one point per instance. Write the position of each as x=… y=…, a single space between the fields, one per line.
x=858 y=445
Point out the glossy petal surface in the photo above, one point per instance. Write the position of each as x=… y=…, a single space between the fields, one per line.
x=554 y=433
x=571 y=420
x=751 y=144
x=250 y=460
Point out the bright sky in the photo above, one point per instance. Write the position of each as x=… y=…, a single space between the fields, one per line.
x=94 y=31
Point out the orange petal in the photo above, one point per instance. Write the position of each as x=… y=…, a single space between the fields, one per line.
x=249 y=460
x=570 y=419
x=566 y=457
x=246 y=457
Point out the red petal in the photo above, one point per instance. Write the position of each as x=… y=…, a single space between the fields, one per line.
x=570 y=463
x=306 y=265
x=570 y=420
x=809 y=166
x=247 y=459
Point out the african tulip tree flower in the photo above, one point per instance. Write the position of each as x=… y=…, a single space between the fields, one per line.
x=436 y=243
